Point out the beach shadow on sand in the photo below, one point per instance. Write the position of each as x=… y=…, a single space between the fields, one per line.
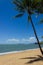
x=34 y=59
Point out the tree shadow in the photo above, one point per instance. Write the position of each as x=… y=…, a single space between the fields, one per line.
x=34 y=59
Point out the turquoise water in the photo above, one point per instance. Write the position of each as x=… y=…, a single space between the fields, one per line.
x=17 y=47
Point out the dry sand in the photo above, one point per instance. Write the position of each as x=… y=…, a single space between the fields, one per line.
x=28 y=57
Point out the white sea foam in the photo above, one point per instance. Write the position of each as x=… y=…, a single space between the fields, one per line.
x=8 y=52
x=5 y=53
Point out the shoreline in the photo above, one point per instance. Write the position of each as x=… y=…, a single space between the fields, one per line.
x=11 y=52
x=26 y=57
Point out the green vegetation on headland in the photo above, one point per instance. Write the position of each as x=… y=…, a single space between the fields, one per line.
x=40 y=42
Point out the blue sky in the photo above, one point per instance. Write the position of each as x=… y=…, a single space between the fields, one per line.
x=17 y=30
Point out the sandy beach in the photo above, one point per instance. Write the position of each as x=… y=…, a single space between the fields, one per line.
x=27 y=57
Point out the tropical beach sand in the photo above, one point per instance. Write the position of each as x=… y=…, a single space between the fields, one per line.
x=27 y=57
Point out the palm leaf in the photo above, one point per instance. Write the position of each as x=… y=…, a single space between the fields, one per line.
x=19 y=9
x=19 y=15
x=17 y=3
x=29 y=6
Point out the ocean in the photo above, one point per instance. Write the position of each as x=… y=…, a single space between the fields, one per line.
x=17 y=47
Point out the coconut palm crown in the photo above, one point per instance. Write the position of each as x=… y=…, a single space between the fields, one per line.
x=29 y=6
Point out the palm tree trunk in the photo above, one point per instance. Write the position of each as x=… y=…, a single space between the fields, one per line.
x=36 y=36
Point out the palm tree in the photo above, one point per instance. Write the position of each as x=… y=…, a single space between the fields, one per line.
x=30 y=7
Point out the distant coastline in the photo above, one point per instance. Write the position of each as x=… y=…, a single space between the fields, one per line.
x=40 y=42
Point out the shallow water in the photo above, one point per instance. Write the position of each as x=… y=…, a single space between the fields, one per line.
x=17 y=47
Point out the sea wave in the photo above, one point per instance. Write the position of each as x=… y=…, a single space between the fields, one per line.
x=5 y=53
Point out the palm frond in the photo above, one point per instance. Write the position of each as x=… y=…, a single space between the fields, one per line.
x=29 y=6
x=17 y=3
x=19 y=9
x=19 y=15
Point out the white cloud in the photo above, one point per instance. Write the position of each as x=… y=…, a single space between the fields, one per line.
x=13 y=40
x=30 y=40
x=24 y=40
